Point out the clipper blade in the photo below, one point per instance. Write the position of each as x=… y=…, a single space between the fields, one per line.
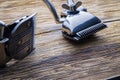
x=86 y=32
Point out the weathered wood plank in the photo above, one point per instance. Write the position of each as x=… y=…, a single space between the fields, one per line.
x=56 y=58
x=14 y=9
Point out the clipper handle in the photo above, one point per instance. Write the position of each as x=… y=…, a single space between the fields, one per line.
x=3 y=56
x=2 y=27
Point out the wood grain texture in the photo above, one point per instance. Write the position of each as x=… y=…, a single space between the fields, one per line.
x=55 y=58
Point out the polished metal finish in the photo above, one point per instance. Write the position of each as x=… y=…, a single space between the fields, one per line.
x=17 y=39
x=76 y=24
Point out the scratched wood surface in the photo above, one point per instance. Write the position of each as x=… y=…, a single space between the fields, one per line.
x=55 y=58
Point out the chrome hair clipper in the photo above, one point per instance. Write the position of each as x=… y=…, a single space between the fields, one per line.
x=77 y=23
x=17 y=39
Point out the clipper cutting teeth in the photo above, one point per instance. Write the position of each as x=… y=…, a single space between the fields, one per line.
x=89 y=31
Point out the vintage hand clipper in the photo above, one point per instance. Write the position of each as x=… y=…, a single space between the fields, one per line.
x=17 y=39
x=77 y=23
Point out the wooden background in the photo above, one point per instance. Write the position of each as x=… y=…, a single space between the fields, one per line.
x=55 y=58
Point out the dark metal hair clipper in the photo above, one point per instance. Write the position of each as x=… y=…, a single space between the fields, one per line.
x=77 y=23
x=17 y=39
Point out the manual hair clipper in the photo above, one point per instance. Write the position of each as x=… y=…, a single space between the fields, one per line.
x=17 y=39
x=77 y=23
